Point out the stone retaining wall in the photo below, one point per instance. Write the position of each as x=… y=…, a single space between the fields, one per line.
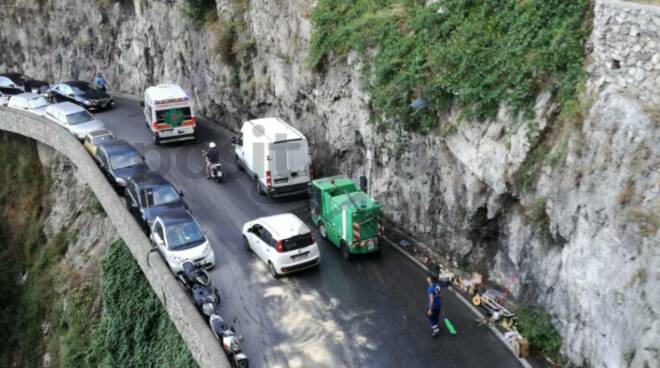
x=192 y=327
x=626 y=42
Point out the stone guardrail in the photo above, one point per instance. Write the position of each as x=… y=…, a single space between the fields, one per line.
x=193 y=328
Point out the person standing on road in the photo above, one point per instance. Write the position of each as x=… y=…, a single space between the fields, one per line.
x=99 y=82
x=434 y=303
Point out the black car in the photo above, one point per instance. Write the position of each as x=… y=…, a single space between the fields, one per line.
x=148 y=195
x=81 y=93
x=8 y=87
x=26 y=83
x=119 y=161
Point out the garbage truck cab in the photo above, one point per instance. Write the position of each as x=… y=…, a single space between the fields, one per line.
x=169 y=114
x=348 y=217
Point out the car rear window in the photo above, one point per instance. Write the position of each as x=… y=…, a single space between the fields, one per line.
x=121 y=160
x=79 y=117
x=297 y=242
x=102 y=138
x=184 y=235
x=37 y=102
x=163 y=195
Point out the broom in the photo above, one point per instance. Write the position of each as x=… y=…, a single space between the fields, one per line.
x=449 y=325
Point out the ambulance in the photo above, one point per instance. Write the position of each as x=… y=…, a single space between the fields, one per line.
x=169 y=114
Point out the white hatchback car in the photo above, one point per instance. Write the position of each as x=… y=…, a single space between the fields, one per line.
x=284 y=242
x=179 y=238
x=30 y=102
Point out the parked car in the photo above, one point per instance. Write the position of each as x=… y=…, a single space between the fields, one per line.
x=74 y=118
x=29 y=102
x=283 y=242
x=80 y=93
x=26 y=83
x=179 y=238
x=95 y=137
x=148 y=194
x=4 y=99
x=8 y=87
x=119 y=161
x=169 y=114
x=274 y=154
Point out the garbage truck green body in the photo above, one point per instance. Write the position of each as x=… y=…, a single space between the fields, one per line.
x=348 y=217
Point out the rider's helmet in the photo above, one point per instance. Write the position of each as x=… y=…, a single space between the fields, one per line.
x=212 y=145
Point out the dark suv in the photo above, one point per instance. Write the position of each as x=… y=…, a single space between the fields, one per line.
x=119 y=161
x=148 y=194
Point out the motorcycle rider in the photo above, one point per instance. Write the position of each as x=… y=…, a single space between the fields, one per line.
x=211 y=157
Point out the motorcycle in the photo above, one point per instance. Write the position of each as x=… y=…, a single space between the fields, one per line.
x=230 y=340
x=214 y=169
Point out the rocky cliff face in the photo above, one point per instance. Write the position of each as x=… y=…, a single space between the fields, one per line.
x=567 y=215
x=74 y=209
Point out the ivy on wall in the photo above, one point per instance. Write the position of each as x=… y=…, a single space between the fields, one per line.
x=476 y=54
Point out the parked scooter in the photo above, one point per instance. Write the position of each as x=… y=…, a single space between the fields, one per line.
x=191 y=275
x=205 y=296
x=214 y=169
x=230 y=340
x=206 y=299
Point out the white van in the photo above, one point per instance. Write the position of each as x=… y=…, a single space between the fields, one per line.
x=275 y=154
x=169 y=114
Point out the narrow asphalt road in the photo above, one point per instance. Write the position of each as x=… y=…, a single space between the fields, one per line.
x=368 y=312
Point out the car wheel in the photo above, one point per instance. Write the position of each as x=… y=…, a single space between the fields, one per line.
x=344 y=251
x=247 y=244
x=259 y=188
x=272 y=270
x=323 y=232
x=156 y=139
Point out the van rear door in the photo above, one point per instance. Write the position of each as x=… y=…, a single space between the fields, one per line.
x=289 y=162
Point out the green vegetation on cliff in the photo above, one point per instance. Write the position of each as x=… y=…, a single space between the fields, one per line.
x=135 y=329
x=107 y=317
x=476 y=54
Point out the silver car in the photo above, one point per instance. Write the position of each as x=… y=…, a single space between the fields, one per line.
x=30 y=102
x=74 y=118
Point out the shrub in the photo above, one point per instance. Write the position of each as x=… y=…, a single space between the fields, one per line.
x=477 y=54
x=199 y=11
x=535 y=325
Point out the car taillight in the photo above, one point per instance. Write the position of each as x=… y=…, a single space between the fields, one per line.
x=312 y=172
x=158 y=126
x=279 y=246
x=191 y=122
x=356 y=232
x=268 y=179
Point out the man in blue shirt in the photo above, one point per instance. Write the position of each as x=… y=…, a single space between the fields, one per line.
x=99 y=82
x=434 y=303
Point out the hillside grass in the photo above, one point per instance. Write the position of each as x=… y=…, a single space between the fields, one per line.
x=475 y=54
x=106 y=317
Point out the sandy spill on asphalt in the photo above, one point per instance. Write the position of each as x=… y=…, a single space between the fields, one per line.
x=312 y=326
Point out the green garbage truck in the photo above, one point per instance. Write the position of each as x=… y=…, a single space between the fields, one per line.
x=348 y=217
